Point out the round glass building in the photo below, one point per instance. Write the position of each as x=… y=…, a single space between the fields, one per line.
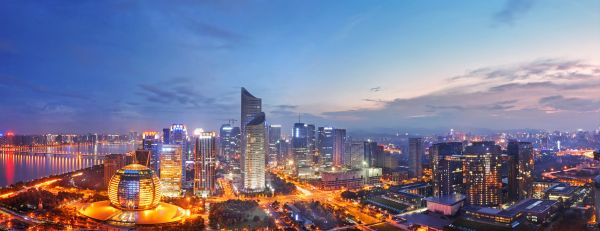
x=134 y=187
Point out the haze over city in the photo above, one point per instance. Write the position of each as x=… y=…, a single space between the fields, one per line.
x=384 y=66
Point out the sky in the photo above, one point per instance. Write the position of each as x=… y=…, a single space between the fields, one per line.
x=116 y=66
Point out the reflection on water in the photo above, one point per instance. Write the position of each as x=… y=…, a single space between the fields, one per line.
x=40 y=162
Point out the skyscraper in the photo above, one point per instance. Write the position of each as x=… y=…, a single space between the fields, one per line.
x=251 y=106
x=370 y=154
x=205 y=164
x=300 y=148
x=274 y=137
x=481 y=174
x=253 y=139
x=356 y=153
x=520 y=170
x=416 y=151
x=253 y=162
x=151 y=142
x=339 y=146
x=325 y=142
x=229 y=148
x=444 y=169
x=171 y=170
x=166 y=138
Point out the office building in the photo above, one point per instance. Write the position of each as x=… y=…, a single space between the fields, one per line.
x=274 y=137
x=416 y=151
x=370 y=153
x=253 y=162
x=230 y=145
x=446 y=172
x=481 y=174
x=151 y=142
x=339 y=146
x=355 y=151
x=300 y=149
x=171 y=170
x=520 y=170
x=325 y=142
x=166 y=136
x=112 y=163
x=205 y=164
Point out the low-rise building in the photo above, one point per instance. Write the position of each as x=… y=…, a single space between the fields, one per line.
x=447 y=205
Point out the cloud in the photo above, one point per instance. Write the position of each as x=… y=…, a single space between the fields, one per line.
x=511 y=96
x=375 y=89
x=511 y=11
x=178 y=91
x=559 y=103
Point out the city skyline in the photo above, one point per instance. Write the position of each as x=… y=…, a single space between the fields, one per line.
x=374 y=67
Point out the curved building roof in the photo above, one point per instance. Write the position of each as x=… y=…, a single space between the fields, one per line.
x=258 y=119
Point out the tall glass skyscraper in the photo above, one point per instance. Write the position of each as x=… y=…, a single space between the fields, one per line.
x=447 y=172
x=253 y=162
x=481 y=174
x=416 y=152
x=520 y=170
x=229 y=148
x=325 y=142
x=205 y=164
x=274 y=137
x=254 y=143
x=170 y=170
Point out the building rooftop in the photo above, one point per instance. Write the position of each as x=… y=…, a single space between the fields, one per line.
x=533 y=206
x=432 y=220
x=447 y=200
x=561 y=188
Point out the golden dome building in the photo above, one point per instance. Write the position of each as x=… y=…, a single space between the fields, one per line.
x=134 y=199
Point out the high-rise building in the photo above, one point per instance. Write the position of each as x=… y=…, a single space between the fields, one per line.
x=112 y=163
x=416 y=151
x=166 y=138
x=481 y=174
x=311 y=136
x=151 y=142
x=229 y=148
x=253 y=162
x=325 y=142
x=251 y=106
x=143 y=157
x=254 y=143
x=283 y=150
x=355 y=151
x=446 y=171
x=205 y=164
x=520 y=170
x=274 y=137
x=370 y=154
x=300 y=148
x=171 y=170
x=596 y=196
x=339 y=146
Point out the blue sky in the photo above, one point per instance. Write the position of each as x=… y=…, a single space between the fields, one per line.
x=371 y=65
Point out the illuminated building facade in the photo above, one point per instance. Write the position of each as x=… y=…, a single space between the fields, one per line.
x=134 y=199
x=325 y=140
x=205 y=164
x=300 y=147
x=254 y=161
x=254 y=143
x=171 y=170
x=416 y=151
x=274 y=137
x=481 y=174
x=521 y=163
x=339 y=146
x=229 y=143
x=446 y=168
x=151 y=142
x=134 y=187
